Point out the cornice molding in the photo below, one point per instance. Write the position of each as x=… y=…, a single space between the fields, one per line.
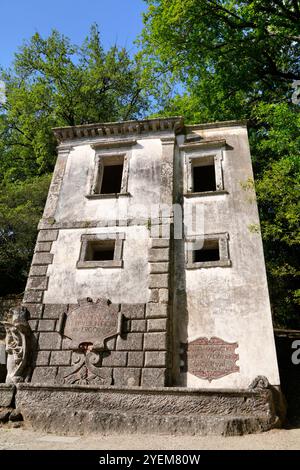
x=119 y=129
x=168 y=140
x=216 y=125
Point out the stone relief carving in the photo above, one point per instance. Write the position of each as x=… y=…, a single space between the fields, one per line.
x=86 y=369
x=17 y=345
x=259 y=383
x=88 y=326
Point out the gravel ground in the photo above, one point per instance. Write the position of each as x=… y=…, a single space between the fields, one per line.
x=24 y=439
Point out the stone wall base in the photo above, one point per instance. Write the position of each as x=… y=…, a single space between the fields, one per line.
x=71 y=409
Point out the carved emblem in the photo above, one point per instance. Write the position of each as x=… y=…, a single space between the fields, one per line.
x=88 y=326
x=92 y=323
x=209 y=359
x=17 y=345
x=86 y=370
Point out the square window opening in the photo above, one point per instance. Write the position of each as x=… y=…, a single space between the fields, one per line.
x=112 y=179
x=204 y=178
x=103 y=250
x=209 y=252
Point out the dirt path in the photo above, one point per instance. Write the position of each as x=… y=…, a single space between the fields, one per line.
x=21 y=439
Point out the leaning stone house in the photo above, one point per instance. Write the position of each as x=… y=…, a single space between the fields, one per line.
x=148 y=271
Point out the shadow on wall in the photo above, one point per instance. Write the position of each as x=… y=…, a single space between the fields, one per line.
x=289 y=376
x=3 y=369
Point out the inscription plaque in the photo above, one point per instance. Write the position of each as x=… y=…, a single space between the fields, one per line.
x=210 y=359
x=92 y=323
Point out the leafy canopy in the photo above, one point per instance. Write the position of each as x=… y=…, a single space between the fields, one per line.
x=52 y=83
x=55 y=83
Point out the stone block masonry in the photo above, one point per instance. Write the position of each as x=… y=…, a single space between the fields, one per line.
x=141 y=345
x=37 y=282
x=158 y=362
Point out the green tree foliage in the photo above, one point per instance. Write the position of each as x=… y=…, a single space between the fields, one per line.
x=228 y=46
x=21 y=206
x=235 y=60
x=275 y=148
x=52 y=83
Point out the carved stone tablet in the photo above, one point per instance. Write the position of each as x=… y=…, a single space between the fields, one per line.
x=211 y=359
x=92 y=323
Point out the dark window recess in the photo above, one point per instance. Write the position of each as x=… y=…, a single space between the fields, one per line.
x=100 y=251
x=204 y=178
x=112 y=179
x=209 y=252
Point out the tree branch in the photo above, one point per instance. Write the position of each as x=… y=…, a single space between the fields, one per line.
x=292 y=15
x=273 y=70
x=243 y=23
x=132 y=102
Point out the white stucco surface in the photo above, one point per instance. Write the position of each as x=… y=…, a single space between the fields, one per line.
x=232 y=303
x=127 y=284
x=144 y=163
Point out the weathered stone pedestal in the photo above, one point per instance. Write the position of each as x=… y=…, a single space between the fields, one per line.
x=72 y=409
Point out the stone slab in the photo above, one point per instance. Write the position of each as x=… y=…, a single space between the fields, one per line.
x=156 y=311
x=157 y=281
x=160 y=243
x=33 y=296
x=155 y=341
x=86 y=409
x=133 y=310
x=154 y=377
x=135 y=359
x=47 y=235
x=43 y=246
x=38 y=270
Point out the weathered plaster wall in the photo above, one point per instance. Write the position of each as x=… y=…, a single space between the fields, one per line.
x=231 y=303
x=128 y=284
x=144 y=161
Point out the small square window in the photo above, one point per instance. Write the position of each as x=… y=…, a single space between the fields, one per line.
x=204 y=173
x=101 y=251
x=212 y=251
x=110 y=176
x=204 y=178
x=209 y=252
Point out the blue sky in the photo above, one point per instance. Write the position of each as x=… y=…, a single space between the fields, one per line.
x=120 y=21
